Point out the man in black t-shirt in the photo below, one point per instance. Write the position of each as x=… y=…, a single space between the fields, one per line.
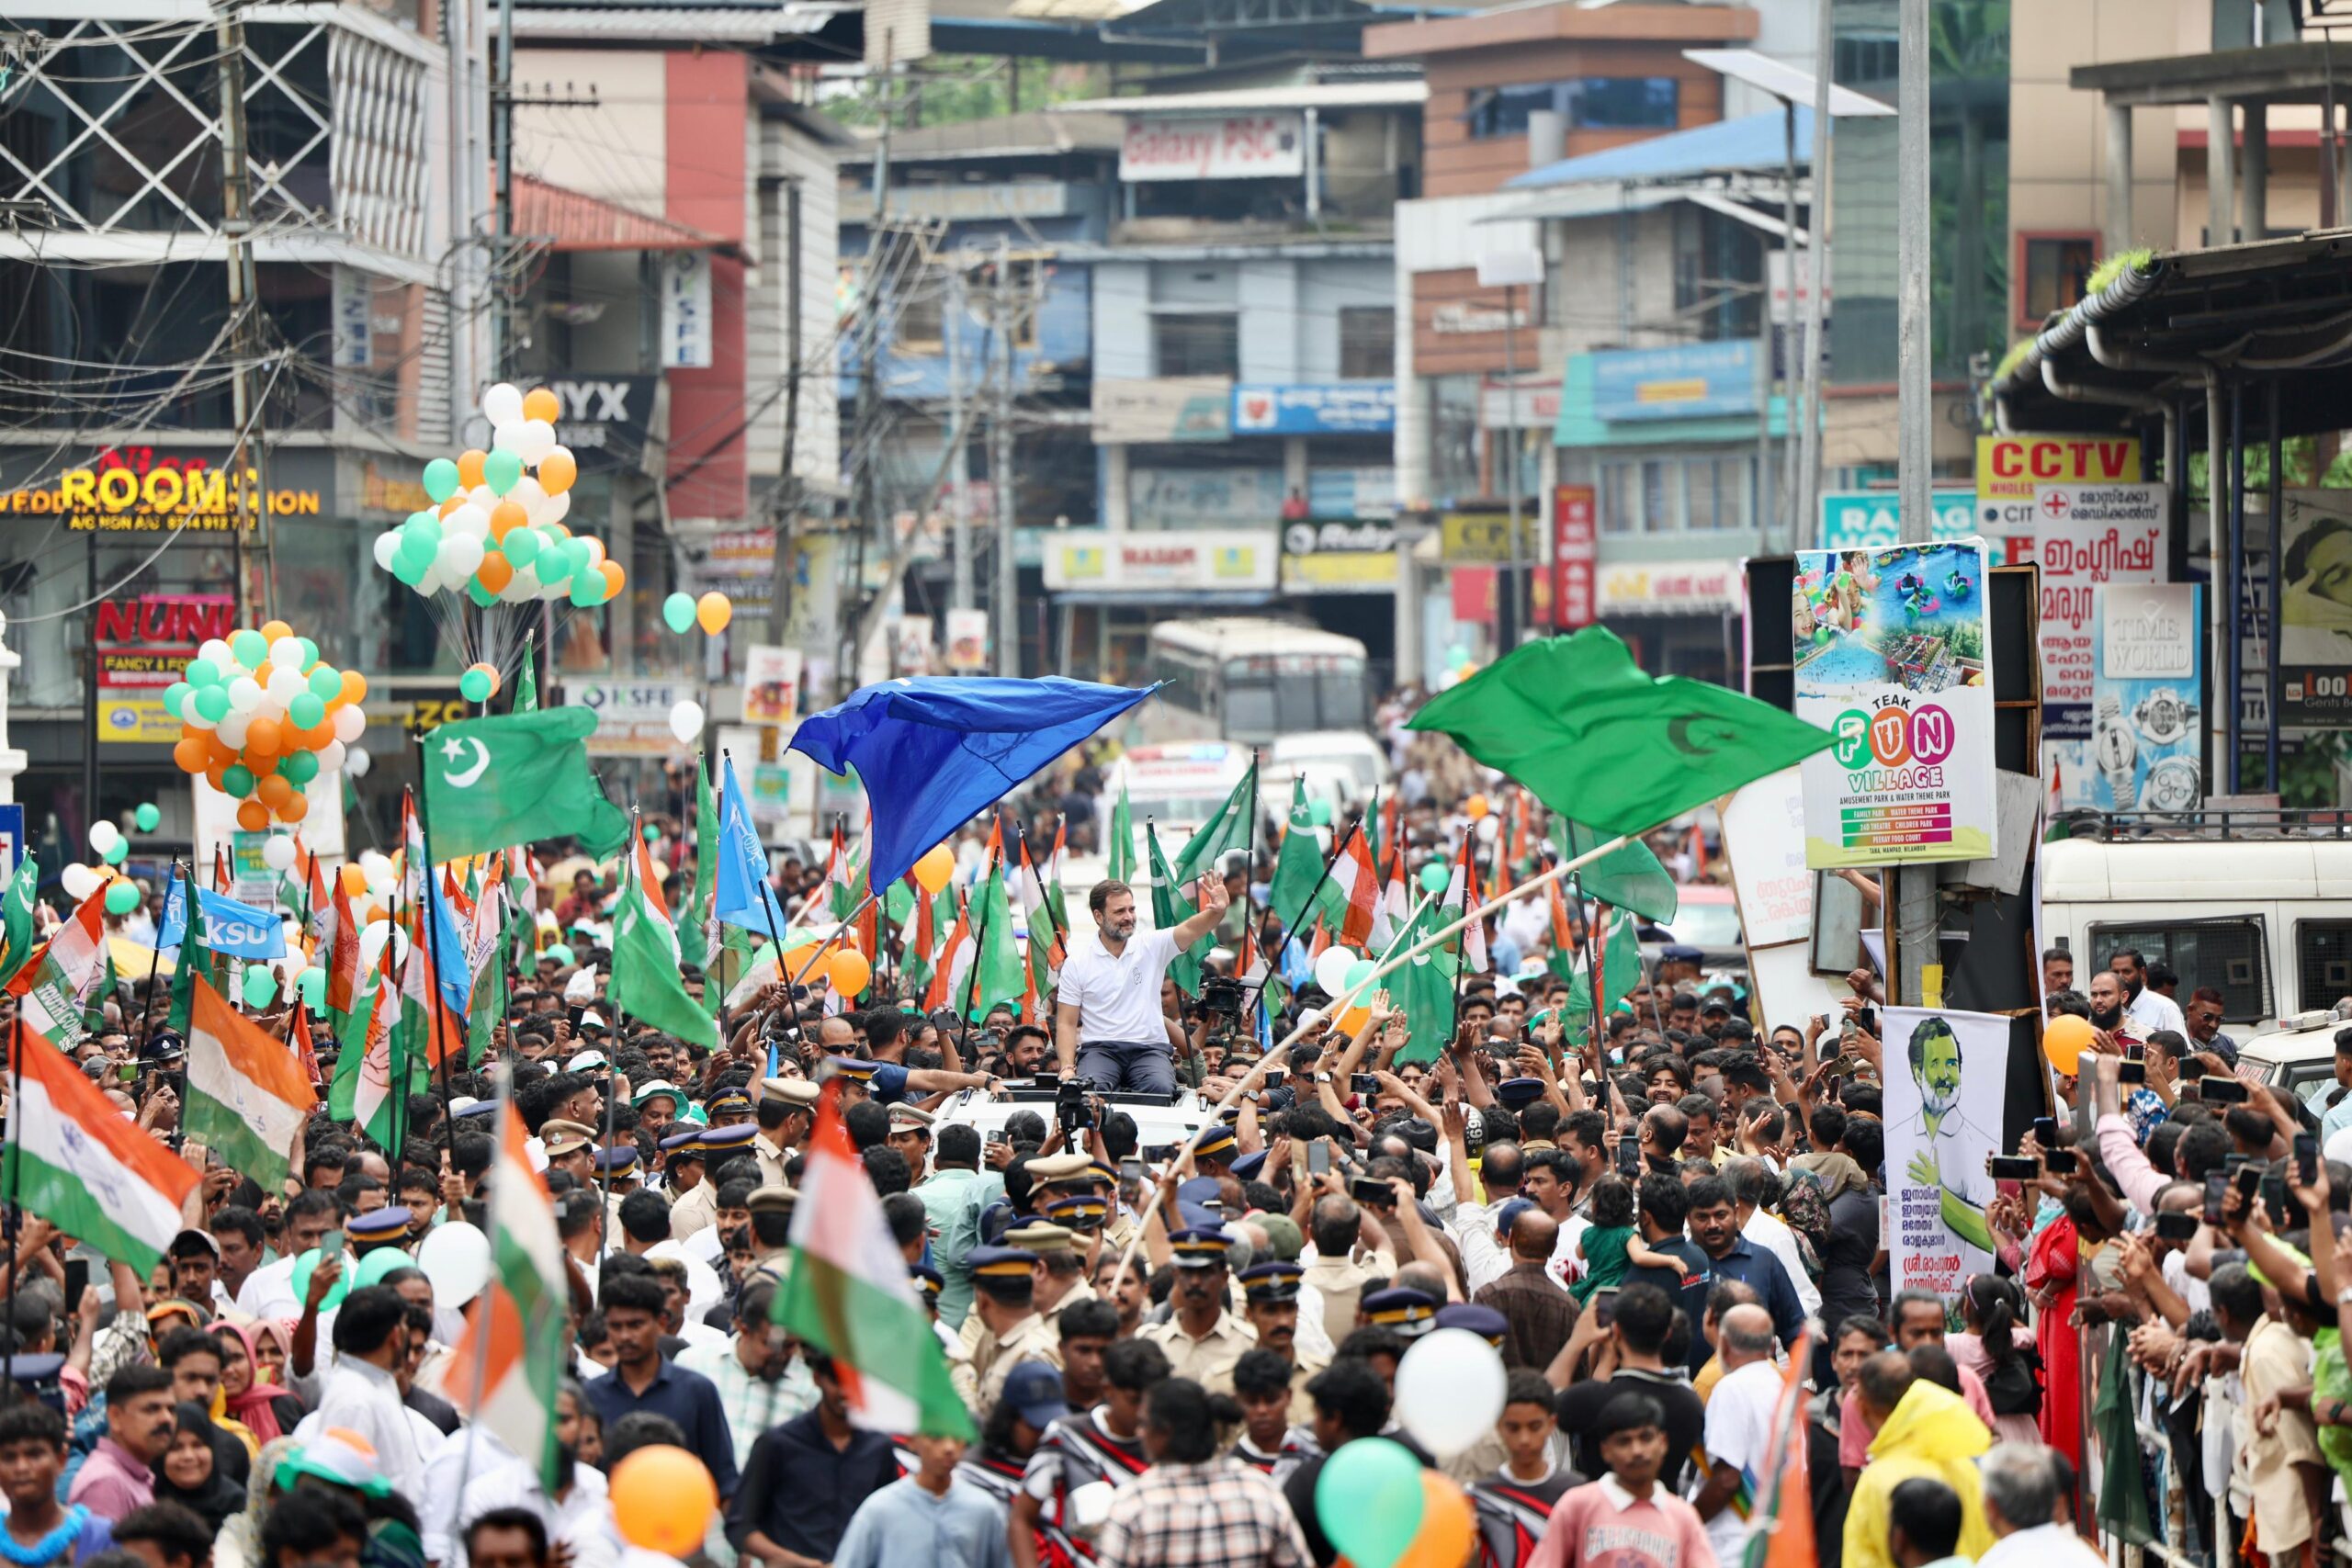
x=1643 y=1317
x=1351 y=1402
x=1664 y=1208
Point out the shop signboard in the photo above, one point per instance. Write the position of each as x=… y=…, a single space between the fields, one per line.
x=1096 y=561
x=771 y=684
x=1213 y=147
x=142 y=644
x=2315 y=609
x=1864 y=519
x=1484 y=538
x=2009 y=466
x=1162 y=409
x=2146 y=749
x=138 y=490
x=967 y=641
x=1336 y=408
x=2087 y=536
x=1698 y=380
x=1339 y=557
x=1191 y=499
x=1667 y=588
x=1574 y=555
x=632 y=716
x=1892 y=658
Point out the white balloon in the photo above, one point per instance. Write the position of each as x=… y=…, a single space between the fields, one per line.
x=468 y=522
x=685 y=720
x=596 y=552
x=348 y=722
x=372 y=938
x=277 y=852
x=79 y=881
x=330 y=754
x=1450 y=1390
x=104 y=836
x=375 y=865
x=1489 y=829
x=483 y=497
x=232 y=728
x=285 y=653
x=527 y=494
x=245 y=694
x=387 y=545
x=503 y=403
x=461 y=555
x=508 y=437
x=285 y=683
x=456 y=1257
x=190 y=716
x=558 y=508
x=216 y=650
x=536 y=439
x=355 y=761
x=1332 y=969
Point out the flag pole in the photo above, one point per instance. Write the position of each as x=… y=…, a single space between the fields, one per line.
x=768 y=907
x=1347 y=997
x=1338 y=843
x=14 y=1154
x=155 y=962
x=480 y=1324
x=431 y=964
x=972 y=979
x=1249 y=876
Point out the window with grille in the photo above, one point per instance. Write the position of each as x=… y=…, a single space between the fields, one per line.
x=1367 y=343
x=2230 y=954
x=1196 y=345
x=2323 y=964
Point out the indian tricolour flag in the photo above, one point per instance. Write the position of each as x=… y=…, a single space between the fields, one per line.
x=509 y=1363
x=1355 y=889
x=53 y=987
x=247 y=1096
x=847 y=1295
x=73 y=1160
x=953 y=969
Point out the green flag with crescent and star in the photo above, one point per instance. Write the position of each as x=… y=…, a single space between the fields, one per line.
x=1575 y=720
x=493 y=782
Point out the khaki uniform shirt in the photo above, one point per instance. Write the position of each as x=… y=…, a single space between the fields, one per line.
x=1209 y=1359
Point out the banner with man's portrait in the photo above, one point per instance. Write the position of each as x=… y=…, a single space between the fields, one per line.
x=1946 y=1074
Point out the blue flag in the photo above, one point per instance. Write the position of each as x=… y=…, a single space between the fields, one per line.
x=240 y=930
x=935 y=752
x=744 y=897
x=451 y=968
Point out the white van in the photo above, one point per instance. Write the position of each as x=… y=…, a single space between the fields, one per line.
x=1177 y=786
x=2265 y=919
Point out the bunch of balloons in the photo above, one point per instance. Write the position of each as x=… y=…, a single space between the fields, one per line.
x=1336 y=969
x=711 y=612
x=261 y=716
x=495 y=529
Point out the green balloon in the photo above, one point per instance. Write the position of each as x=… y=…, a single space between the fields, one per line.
x=306 y=710
x=325 y=683
x=212 y=703
x=678 y=612
x=474 y=686
x=576 y=556
x=309 y=651
x=308 y=1262
x=261 y=984
x=1319 y=813
x=174 y=694
x=560 y=954
x=298 y=767
x=410 y=566
x=1358 y=973
x=1457 y=655
x=1368 y=1499
x=522 y=548
x=237 y=780
x=377 y=1264
x=120 y=853
x=147 y=816
x=1435 y=876
x=587 y=590
x=440 y=480
x=424 y=526
x=650 y=834
x=312 y=983
x=478 y=594
x=500 y=470
x=203 y=672
x=250 y=648
x=122 y=896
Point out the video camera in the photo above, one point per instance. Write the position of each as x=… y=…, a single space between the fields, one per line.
x=1073 y=1112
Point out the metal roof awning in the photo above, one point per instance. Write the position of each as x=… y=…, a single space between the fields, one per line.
x=2272 y=309
x=1756 y=143
x=710 y=24
x=1786 y=82
x=578 y=221
x=1188 y=598
x=1259 y=100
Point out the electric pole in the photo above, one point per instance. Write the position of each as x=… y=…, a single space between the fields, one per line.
x=244 y=336
x=502 y=95
x=1008 y=323
x=1914 y=885
x=959 y=467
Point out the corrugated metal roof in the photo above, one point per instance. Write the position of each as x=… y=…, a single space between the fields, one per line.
x=1032 y=133
x=1298 y=96
x=582 y=222
x=1752 y=144
x=707 y=24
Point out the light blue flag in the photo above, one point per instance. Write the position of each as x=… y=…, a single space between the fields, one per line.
x=745 y=898
x=240 y=930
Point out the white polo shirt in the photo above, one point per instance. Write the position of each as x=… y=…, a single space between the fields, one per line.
x=1117 y=997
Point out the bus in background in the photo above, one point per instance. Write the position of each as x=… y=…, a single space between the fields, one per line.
x=1247 y=680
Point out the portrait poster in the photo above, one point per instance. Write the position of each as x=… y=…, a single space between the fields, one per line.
x=2315 y=609
x=2146 y=737
x=1945 y=1074
x=1892 y=658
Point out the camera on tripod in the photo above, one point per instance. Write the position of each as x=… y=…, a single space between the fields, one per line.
x=1073 y=1112
x=1222 y=995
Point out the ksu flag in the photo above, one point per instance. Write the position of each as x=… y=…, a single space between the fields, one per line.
x=744 y=897
x=240 y=930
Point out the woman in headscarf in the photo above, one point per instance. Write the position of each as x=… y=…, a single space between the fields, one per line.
x=189 y=1473
x=273 y=1341
x=247 y=1395
x=239 y=1543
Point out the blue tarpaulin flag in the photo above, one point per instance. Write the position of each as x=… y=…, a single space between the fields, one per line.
x=936 y=751
x=240 y=931
x=745 y=898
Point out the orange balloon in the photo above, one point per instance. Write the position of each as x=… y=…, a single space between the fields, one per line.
x=495 y=572
x=713 y=610
x=276 y=631
x=262 y=672
x=261 y=766
x=222 y=753
x=540 y=403
x=192 y=755
x=1353 y=1020
x=454 y=503
x=1476 y=806
x=850 y=973
x=294 y=810
x=355 y=881
x=614 y=577
x=557 y=471
x=252 y=816
x=274 y=791
x=314 y=738
x=663 y=1499
x=355 y=686
x=2062 y=1040
x=470 y=472
x=505 y=517
x=215 y=775
x=264 y=737
x=1447 y=1525
x=557 y=529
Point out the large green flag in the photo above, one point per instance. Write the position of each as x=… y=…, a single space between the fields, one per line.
x=1620 y=959
x=1170 y=909
x=1223 y=833
x=1422 y=988
x=491 y=784
x=1628 y=876
x=645 y=983
x=997 y=975
x=694 y=920
x=195 y=961
x=486 y=1005
x=1298 y=866
x=17 y=938
x=1575 y=721
x=1122 y=850
x=527 y=681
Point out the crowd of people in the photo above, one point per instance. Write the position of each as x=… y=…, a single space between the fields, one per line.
x=1655 y=1223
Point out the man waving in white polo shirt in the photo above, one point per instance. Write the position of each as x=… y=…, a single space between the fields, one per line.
x=1107 y=1022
